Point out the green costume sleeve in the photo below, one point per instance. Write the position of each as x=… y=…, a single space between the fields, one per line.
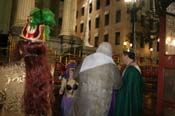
x=129 y=99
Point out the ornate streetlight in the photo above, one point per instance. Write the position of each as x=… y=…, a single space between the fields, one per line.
x=133 y=11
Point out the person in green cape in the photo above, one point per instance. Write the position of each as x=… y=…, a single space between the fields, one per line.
x=130 y=95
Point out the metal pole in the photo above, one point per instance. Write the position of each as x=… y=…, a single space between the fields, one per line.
x=61 y=46
x=133 y=19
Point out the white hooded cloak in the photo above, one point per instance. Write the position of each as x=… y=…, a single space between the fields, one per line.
x=98 y=76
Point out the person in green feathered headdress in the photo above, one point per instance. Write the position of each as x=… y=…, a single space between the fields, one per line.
x=38 y=25
x=38 y=93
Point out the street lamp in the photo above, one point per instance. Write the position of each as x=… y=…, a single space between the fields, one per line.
x=133 y=12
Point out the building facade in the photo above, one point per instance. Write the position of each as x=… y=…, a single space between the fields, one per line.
x=92 y=21
x=111 y=21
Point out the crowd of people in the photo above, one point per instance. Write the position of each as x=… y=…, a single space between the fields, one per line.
x=93 y=87
x=101 y=90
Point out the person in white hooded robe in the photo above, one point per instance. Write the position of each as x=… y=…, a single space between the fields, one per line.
x=97 y=78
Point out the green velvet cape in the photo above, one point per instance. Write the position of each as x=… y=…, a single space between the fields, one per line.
x=130 y=95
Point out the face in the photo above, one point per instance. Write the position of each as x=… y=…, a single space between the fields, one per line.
x=29 y=18
x=124 y=58
x=71 y=74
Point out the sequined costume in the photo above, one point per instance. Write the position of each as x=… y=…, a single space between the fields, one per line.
x=69 y=87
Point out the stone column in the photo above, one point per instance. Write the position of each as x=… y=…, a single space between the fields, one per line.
x=23 y=11
x=69 y=17
x=5 y=14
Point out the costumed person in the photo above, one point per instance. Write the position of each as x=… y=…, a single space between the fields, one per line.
x=68 y=88
x=130 y=95
x=71 y=64
x=98 y=76
x=38 y=91
x=113 y=103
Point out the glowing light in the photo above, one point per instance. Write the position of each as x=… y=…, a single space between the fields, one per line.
x=124 y=43
x=151 y=49
x=173 y=42
x=128 y=1
x=168 y=40
x=158 y=40
x=130 y=44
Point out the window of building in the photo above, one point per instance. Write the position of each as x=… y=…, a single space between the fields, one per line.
x=97 y=4
x=81 y=27
x=107 y=2
x=157 y=46
x=97 y=22
x=89 y=24
x=90 y=7
x=142 y=41
x=60 y=20
x=106 y=19
x=151 y=23
x=96 y=41
x=106 y=38
x=76 y=28
x=77 y=14
x=118 y=16
x=89 y=39
x=82 y=11
x=142 y=20
x=59 y=24
x=117 y=38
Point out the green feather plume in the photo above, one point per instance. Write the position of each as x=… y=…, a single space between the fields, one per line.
x=48 y=17
x=47 y=32
x=36 y=17
x=43 y=16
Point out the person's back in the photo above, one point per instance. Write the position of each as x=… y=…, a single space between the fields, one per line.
x=97 y=78
x=96 y=91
